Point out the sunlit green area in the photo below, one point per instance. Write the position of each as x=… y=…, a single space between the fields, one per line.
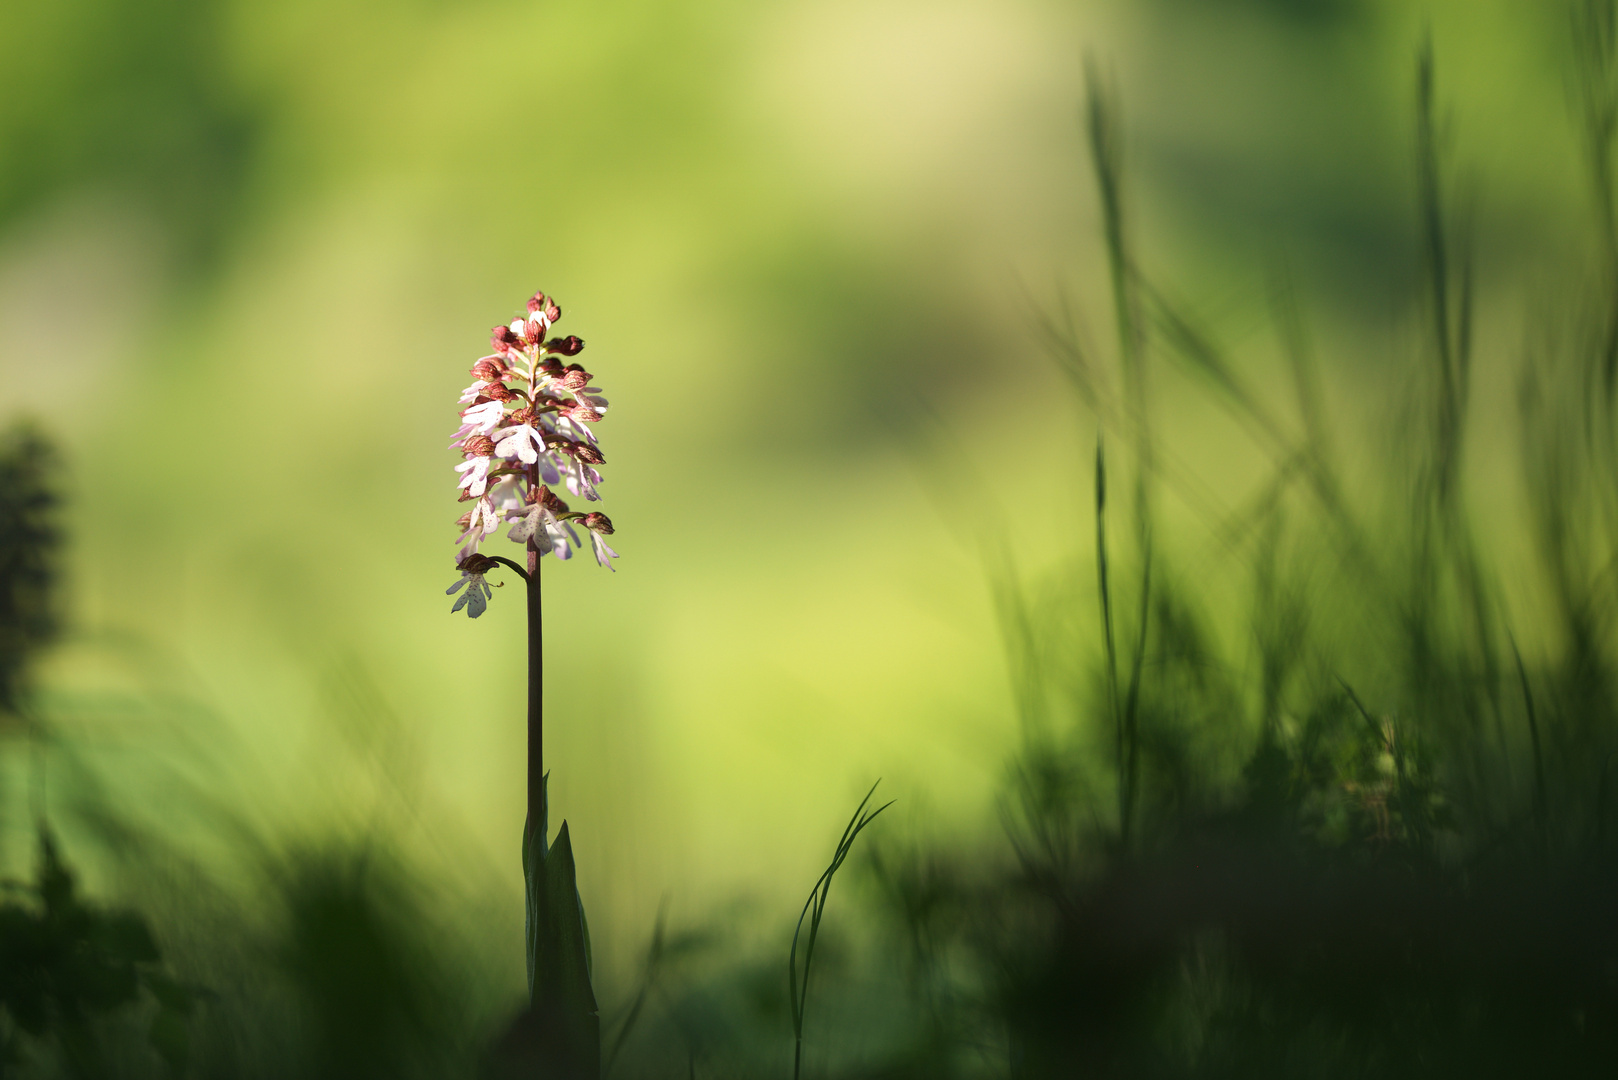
x=248 y=251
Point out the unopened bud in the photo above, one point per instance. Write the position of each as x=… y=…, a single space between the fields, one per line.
x=551 y=501
x=581 y=412
x=464 y=522
x=536 y=303
x=586 y=453
x=488 y=371
x=502 y=338
x=477 y=564
x=575 y=378
x=499 y=392
x=552 y=312
x=524 y=415
x=479 y=446
x=533 y=332
x=571 y=345
x=597 y=522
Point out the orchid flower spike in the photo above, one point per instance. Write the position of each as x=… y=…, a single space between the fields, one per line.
x=526 y=423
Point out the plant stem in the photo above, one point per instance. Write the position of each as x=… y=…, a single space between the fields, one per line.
x=536 y=695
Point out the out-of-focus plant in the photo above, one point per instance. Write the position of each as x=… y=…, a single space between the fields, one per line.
x=1384 y=844
x=30 y=540
x=65 y=965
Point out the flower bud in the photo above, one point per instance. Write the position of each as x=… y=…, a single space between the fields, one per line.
x=488 y=371
x=478 y=446
x=586 y=453
x=552 y=312
x=498 y=392
x=550 y=501
x=575 y=378
x=536 y=303
x=502 y=338
x=524 y=415
x=533 y=332
x=571 y=345
x=597 y=522
x=464 y=522
x=580 y=411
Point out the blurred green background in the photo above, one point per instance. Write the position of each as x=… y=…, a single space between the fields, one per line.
x=248 y=250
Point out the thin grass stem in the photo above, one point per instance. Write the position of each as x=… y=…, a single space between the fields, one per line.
x=814 y=909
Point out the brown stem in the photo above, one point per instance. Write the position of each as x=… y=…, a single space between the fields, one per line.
x=536 y=687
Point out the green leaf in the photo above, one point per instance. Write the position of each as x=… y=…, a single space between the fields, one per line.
x=559 y=954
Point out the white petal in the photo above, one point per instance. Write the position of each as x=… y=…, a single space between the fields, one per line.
x=604 y=554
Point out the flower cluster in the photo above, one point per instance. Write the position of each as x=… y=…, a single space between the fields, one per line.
x=526 y=427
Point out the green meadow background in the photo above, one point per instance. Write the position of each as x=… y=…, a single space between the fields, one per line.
x=248 y=251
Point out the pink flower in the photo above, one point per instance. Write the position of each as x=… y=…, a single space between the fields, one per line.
x=477 y=475
x=476 y=599
x=600 y=525
x=479 y=523
x=526 y=423
x=522 y=442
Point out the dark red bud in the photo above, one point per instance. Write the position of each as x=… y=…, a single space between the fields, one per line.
x=586 y=453
x=551 y=501
x=536 y=303
x=552 y=312
x=487 y=371
x=575 y=378
x=464 y=522
x=533 y=332
x=581 y=412
x=597 y=522
x=565 y=346
x=479 y=446
x=499 y=392
x=476 y=564
x=524 y=415
x=501 y=337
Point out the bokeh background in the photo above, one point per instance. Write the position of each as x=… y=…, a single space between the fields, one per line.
x=248 y=250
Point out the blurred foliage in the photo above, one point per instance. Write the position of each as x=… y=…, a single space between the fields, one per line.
x=67 y=968
x=130 y=96
x=30 y=555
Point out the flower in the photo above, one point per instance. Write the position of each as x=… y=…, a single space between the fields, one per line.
x=600 y=525
x=478 y=522
x=475 y=599
x=519 y=441
x=526 y=422
x=477 y=475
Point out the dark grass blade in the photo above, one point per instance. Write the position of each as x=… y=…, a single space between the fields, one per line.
x=814 y=909
x=654 y=962
x=1104 y=582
